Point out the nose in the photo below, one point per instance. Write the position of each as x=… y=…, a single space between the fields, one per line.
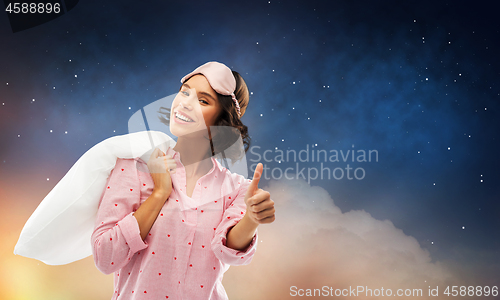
x=189 y=102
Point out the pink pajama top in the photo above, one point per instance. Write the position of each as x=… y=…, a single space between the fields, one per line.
x=184 y=255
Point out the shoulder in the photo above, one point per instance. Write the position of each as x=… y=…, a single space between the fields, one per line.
x=234 y=181
x=127 y=168
x=125 y=164
x=123 y=185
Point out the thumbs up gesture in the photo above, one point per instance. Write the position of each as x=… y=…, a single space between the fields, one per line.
x=260 y=207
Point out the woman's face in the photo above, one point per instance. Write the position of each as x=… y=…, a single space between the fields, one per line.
x=195 y=108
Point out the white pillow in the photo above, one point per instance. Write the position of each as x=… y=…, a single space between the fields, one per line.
x=59 y=230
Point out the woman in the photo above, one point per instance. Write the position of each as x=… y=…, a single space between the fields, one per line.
x=172 y=232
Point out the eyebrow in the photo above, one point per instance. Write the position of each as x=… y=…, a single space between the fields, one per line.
x=203 y=93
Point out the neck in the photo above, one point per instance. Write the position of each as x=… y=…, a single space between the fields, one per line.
x=195 y=155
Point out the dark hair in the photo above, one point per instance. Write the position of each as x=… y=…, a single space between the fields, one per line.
x=228 y=126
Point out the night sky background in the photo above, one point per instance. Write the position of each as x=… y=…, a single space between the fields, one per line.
x=418 y=81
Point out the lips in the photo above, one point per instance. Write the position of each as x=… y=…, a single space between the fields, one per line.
x=182 y=116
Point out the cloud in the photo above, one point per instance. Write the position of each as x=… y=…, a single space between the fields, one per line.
x=313 y=244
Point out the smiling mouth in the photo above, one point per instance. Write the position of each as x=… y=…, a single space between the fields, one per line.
x=182 y=117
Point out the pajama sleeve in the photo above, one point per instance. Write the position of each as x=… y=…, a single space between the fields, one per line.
x=116 y=236
x=232 y=215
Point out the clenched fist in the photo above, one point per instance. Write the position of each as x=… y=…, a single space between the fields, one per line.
x=160 y=166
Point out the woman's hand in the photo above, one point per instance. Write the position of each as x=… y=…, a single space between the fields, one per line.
x=260 y=210
x=160 y=166
x=260 y=207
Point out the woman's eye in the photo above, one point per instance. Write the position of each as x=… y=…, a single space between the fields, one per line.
x=204 y=101
x=185 y=93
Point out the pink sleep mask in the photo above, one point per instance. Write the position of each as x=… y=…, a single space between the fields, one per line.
x=220 y=77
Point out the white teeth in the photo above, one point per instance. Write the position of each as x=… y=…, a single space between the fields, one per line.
x=179 y=116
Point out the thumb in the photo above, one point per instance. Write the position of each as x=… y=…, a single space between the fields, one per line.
x=254 y=185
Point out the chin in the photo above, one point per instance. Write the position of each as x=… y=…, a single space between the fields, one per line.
x=179 y=130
